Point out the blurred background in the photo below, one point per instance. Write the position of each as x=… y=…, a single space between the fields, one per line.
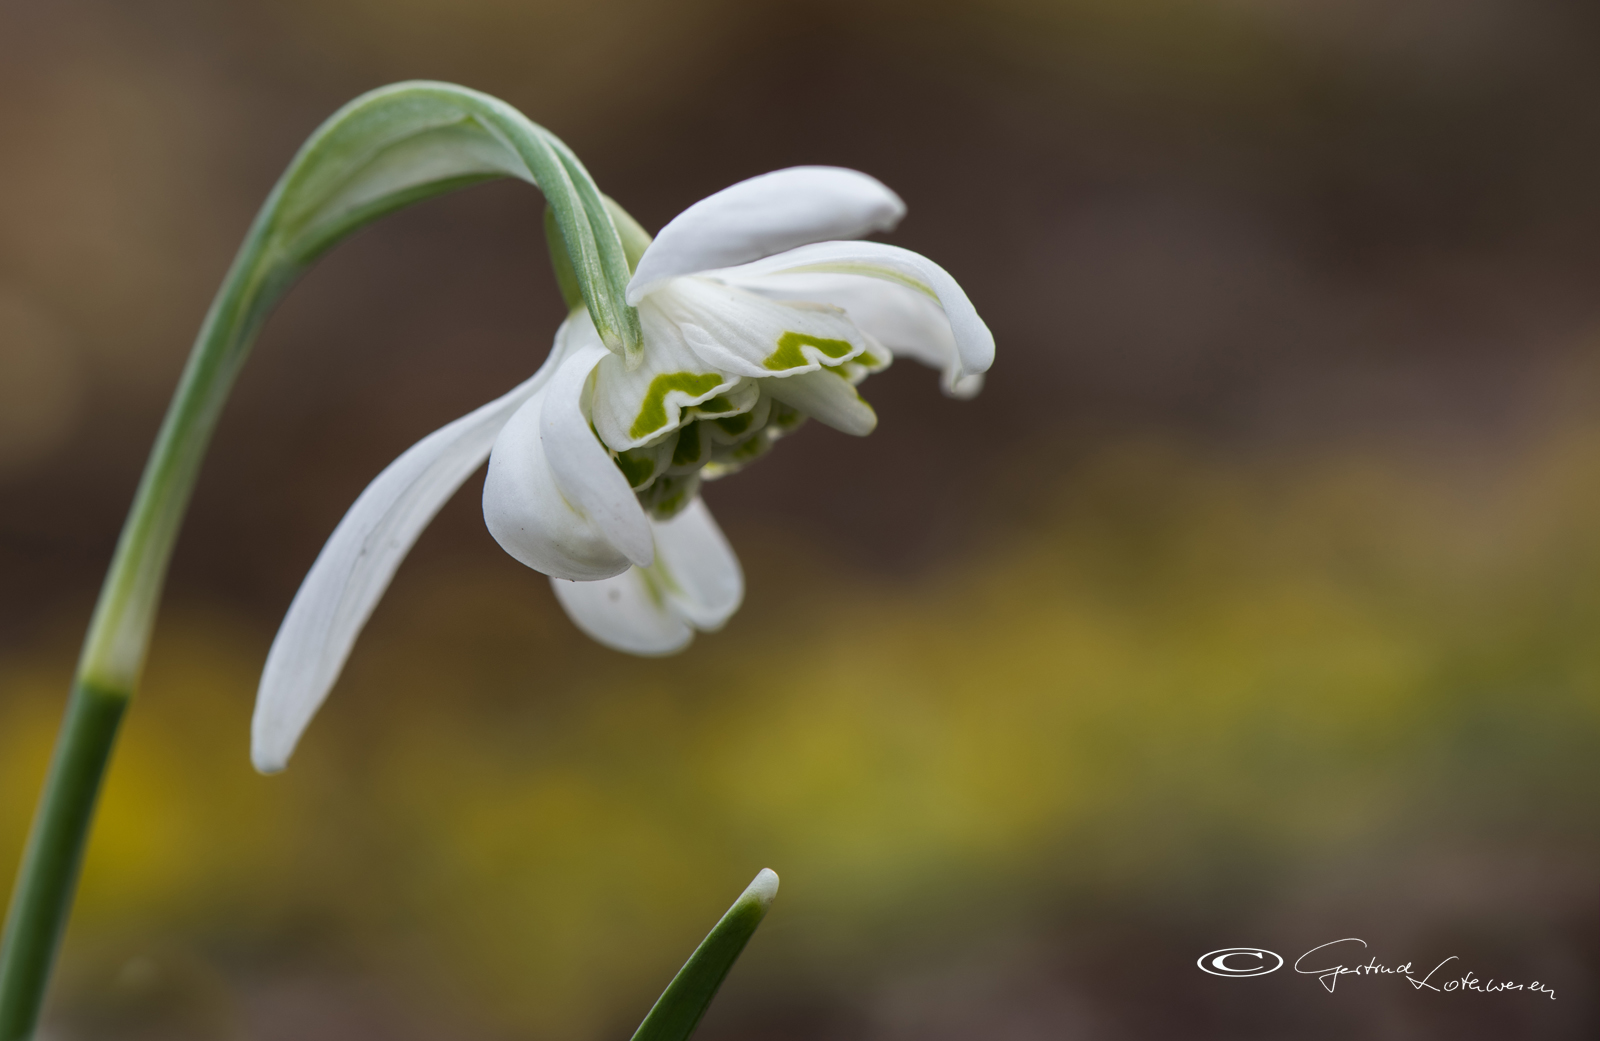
x=1254 y=601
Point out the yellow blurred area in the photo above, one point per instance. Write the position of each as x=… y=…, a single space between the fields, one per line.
x=1166 y=664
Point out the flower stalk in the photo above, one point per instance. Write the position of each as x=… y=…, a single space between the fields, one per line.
x=383 y=151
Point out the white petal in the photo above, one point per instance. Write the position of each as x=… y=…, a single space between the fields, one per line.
x=699 y=572
x=974 y=343
x=750 y=335
x=695 y=583
x=358 y=562
x=529 y=516
x=624 y=613
x=828 y=397
x=907 y=322
x=765 y=215
x=582 y=467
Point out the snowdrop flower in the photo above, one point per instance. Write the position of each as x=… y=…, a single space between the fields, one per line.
x=757 y=312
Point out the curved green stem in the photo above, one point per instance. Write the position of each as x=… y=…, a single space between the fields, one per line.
x=55 y=851
x=383 y=151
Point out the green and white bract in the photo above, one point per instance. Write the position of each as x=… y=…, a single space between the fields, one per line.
x=758 y=311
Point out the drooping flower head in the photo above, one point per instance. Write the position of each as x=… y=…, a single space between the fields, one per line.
x=758 y=311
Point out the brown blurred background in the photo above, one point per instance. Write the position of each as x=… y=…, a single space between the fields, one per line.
x=1253 y=602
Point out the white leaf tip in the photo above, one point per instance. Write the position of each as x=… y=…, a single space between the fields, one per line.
x=763 y=889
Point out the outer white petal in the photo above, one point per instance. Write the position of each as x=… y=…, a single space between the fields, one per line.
x=582 y=467
x=528 y=514
x=765 y=215
x=963 y=385
x=624 y=613
x=698 y=570
x=904 y=320
x=828 y=397
x=974 y=342
x=695 y=583
x=355 y=567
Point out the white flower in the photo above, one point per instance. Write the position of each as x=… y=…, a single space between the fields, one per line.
x=752 y=322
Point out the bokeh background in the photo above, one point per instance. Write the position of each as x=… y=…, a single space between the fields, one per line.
x=1255 y=601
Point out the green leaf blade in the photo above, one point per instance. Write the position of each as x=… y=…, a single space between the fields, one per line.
x=679 y=1009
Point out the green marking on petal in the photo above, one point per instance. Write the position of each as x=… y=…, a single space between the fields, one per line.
x=736 y=425
x=636 y=467
x=748 y=450
x=688 y=448
x=720 y=403
x=784 y=418
x=788 y=355
x=653 y=412
x=667 y=497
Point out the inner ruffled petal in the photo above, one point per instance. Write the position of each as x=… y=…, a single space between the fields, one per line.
x=829 y=397
x=749 y=335
x=974 y=343
x=906 y=321
x=636 y=407
x=735 y=445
